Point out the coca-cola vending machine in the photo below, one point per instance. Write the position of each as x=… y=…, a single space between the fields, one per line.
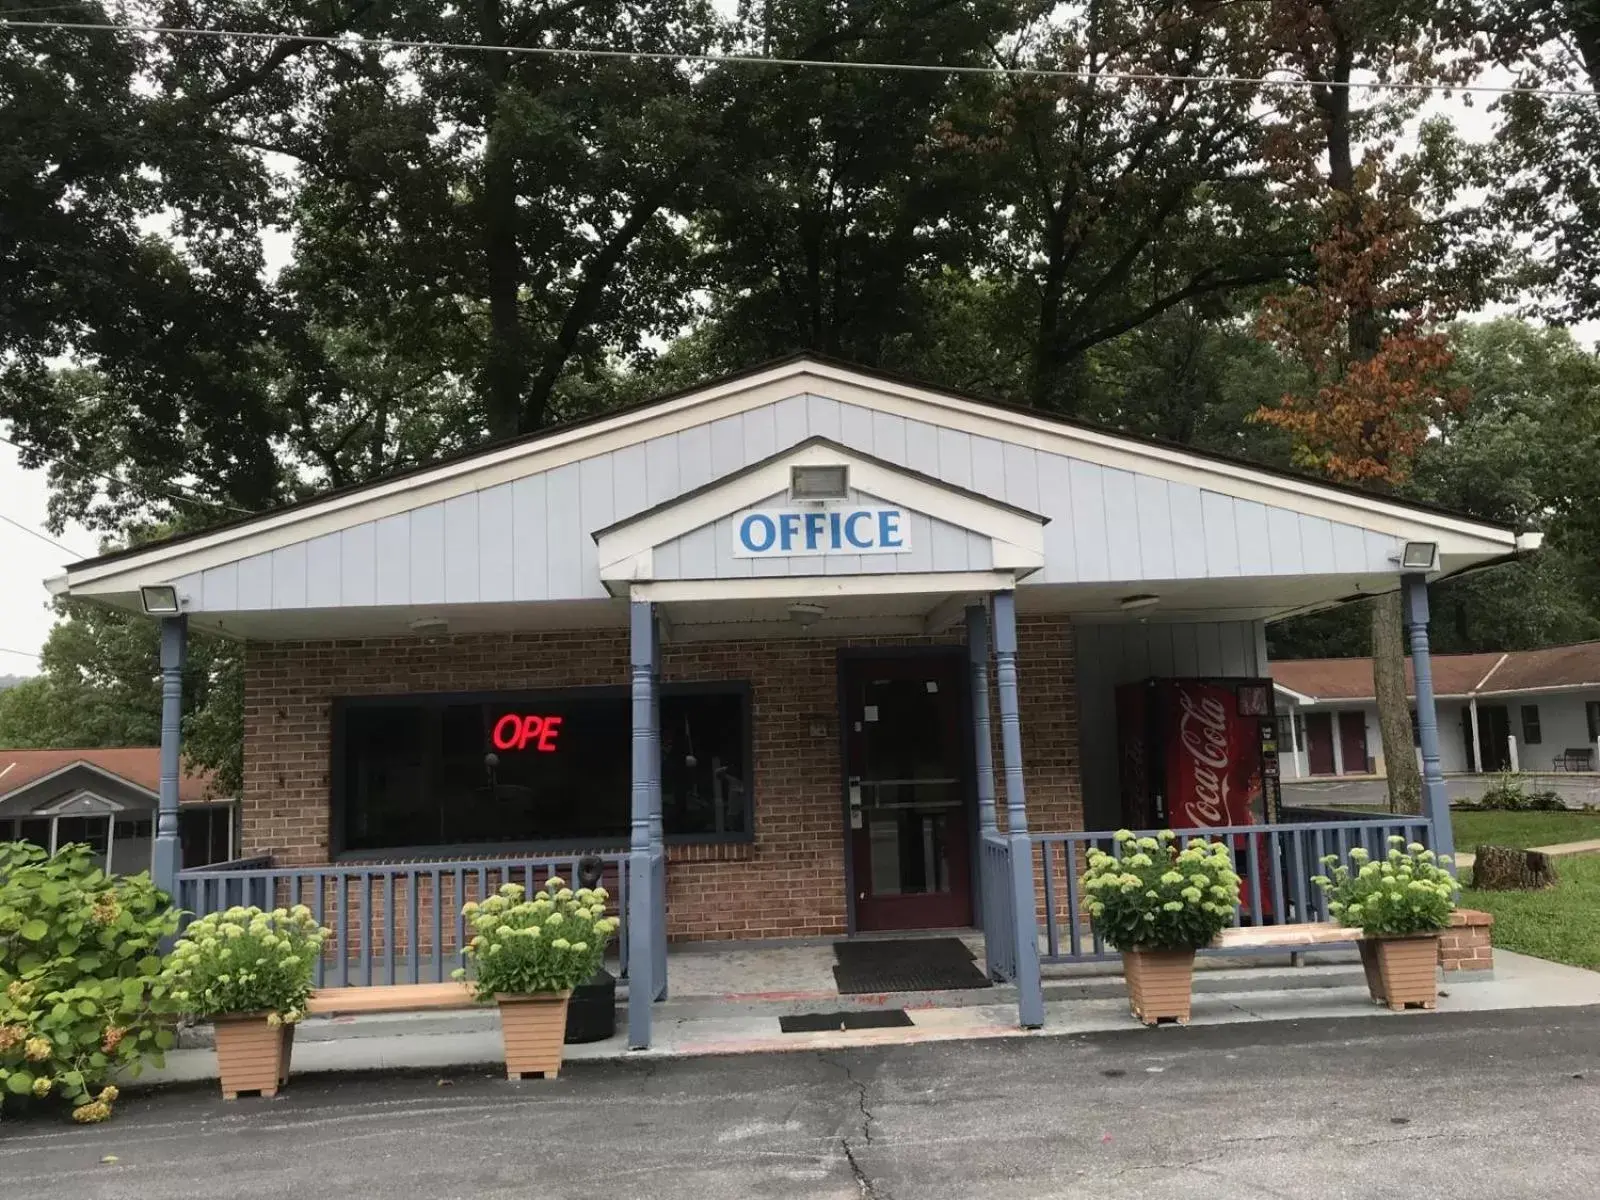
x=1199 y=754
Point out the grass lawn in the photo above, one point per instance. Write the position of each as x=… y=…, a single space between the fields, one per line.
x=1521 y=829
x=1562 y=923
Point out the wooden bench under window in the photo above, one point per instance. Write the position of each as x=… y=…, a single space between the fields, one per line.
x=389 y=998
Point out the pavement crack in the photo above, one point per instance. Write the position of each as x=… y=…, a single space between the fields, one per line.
x=864 y=1184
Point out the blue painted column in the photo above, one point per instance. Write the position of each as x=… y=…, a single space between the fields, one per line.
x=983 y=757
x=1030 y=991
x=1436 y=801
x=166 y=857
x=641 y=883
x=983 y=761
x=658 y=841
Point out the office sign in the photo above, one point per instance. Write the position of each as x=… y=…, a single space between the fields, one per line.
x=796 y=532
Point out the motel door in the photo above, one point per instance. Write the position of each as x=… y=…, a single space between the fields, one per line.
x=907 y=786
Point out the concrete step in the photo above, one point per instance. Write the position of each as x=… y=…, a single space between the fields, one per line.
x=1101 y=981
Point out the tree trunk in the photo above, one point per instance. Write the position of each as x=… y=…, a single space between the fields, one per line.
x=1394 y=709
x=1501 y=869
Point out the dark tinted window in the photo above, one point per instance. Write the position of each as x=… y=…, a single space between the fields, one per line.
x=547 y=768
x=1530 y=724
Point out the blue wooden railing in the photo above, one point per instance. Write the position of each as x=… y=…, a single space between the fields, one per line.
x=997 y=908
x=1275 y=864
x=391 y=922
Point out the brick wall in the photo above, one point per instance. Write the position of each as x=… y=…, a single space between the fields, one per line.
x=788 y=883
x=1465 y=945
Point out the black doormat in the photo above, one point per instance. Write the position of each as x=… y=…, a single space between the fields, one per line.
x=879 y=1018
x=905 y=965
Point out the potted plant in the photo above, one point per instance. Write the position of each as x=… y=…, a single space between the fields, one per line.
x=1400 y=903
x=249 y=972
x=1158 y=904
x=527 y=954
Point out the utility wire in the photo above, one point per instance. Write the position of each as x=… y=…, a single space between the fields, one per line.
x=356 y=42
x=49 y=540
x=134 y=487
x=23 y=653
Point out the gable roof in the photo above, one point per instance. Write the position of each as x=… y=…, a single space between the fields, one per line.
x=790 y=364
x=137 y=766
x=1454 y=675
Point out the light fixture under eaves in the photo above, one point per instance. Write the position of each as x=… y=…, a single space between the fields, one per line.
x=429 y=626
x=1141 y=601
x=160 y=600
x=1419 y=556
x=805 y=612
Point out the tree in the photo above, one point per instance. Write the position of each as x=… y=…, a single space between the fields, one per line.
x=1115 y=201
x=100 y=685
x=1387 y=272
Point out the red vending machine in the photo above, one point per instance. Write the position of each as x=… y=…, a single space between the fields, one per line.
x=1199 y=754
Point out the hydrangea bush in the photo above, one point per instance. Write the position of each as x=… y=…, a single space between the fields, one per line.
x=1158 y=896
x=244 y=960
x=1408 y=891
x=80 y=993
x=549 y=943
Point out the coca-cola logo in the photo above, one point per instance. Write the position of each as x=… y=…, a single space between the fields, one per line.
x=1203 y=731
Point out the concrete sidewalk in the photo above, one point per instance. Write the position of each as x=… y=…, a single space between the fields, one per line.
x=725 y=1026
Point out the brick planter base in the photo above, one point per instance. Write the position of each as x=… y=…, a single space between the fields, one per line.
x=1465 y=946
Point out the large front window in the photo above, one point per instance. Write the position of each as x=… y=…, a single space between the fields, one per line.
x=534 y=768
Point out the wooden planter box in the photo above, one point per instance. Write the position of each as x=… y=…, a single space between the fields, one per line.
x=252 y=1056
x=534 y=1029
x=1407 y=969
x=1369 y=966
x=1159 y=984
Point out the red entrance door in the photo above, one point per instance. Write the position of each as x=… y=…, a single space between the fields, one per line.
x=1319 y=743
x=1353 y=742
x=907 y=790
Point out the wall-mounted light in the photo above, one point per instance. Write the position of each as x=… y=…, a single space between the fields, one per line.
x=429 y=626
x=1419 y=556
x=1137 y=603
x=160 y=601
x=819 y=483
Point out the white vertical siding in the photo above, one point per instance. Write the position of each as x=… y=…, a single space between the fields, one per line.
x=530 y=539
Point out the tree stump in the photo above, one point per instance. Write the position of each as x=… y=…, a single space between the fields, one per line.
x=1503 y=869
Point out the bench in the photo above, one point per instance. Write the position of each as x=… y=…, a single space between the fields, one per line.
x=1575 y=758
x=1285 y=937
x=389 y=998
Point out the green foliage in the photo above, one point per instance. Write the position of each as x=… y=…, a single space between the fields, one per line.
x=1407 y=891
x=1561 y=923
x=551 y=943
x=1507 y=794
x=1157 y=896
x=1474 y=827
x=244 y=960
x=80 y=992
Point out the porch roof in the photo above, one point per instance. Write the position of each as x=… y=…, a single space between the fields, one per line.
x=539 y=533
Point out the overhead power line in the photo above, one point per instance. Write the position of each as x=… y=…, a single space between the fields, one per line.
x=24 y=653
x=182 y=497
x=355 y=42
x=35 y=533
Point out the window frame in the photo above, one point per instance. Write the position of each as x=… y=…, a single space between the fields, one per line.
x=1532 y=731
x=435 y=701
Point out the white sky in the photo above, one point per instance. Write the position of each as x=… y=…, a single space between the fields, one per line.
x=26 y=561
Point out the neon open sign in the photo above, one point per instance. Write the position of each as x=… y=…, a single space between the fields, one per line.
x=516 y=731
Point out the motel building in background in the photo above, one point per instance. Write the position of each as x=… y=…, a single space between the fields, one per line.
x=806 y=652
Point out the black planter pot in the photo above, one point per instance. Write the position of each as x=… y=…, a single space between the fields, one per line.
x=592 y=1011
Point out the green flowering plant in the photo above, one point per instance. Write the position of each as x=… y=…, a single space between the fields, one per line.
x=1408 y=891
x=1158 y=896
x=550 y=942
x=244 y=960
x=80 y=992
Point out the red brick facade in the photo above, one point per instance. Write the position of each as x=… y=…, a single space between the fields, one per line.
x=788 y=883
x=1465 y=945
